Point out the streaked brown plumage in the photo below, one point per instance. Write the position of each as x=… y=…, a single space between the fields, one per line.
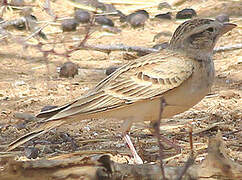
x=181 y=74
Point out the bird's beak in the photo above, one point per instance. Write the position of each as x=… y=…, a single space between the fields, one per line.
x=227 y=27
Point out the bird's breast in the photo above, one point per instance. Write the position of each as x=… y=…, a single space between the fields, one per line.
x=191 y=91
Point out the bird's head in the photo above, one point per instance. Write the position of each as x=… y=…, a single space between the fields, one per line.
x=197 y=37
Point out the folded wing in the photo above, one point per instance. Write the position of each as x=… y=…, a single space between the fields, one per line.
x=146 y=78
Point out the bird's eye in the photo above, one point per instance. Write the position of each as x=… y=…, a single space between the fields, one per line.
x=210 y=29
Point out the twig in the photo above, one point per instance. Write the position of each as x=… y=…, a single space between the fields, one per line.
x=191 y=158
x=228 y=48
x=156 y=127
x=36 y=32
x=119 y=47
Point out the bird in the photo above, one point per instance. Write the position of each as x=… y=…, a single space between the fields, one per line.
x=182 y=75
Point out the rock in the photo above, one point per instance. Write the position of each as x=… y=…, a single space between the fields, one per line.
x=186 y=14
x=103 y=20
x=25 y=116
x=69 y=69
x=222 y=18
x=82 y=16
x=111 y=69
x=47 y=108
x=164 y=16
x=69 y=25
x=31 y=152
x=138 y=18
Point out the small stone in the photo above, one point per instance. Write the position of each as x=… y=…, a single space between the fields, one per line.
x=164 y=16
x=138 y=18
x=25 y=116
x=186 y=14
x=110 y=70
x=68 y=69
x=222 y=18
x=47 y=108
x=82 y=16
x=31 y=152
x=20 y=126
x=164 y=5
x=69 y=25
x=103 y=20
x=161 y=46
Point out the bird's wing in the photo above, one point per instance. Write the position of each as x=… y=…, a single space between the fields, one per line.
x=145 y=78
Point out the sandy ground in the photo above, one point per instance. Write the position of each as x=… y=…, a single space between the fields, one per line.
x=28 y=82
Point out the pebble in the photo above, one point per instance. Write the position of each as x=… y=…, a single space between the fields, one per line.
x=25 y=116
x=31 y=152
x=82 y=16
x=222 y=18
x=164 y=16
x=69 y=69
x=186 y=14
x=68 y=25
x=47 y=108
x=110 y=70
x=103 y=20
x=138 y=18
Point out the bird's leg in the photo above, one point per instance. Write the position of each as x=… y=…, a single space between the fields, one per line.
x=137 y=158
x=125 y=129
x=167 y=141
x=156 y=127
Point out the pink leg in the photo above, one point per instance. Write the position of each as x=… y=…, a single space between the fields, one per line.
x=137 y=158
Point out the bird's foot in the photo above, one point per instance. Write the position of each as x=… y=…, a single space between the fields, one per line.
x=137 y=158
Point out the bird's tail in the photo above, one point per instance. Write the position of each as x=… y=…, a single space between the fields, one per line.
x=40 y=130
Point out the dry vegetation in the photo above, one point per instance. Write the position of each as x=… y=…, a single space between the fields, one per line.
x=29 y=81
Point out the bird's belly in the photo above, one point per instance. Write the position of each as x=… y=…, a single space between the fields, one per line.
x=190 y=92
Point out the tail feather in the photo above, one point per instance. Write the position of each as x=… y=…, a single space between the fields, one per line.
x=41 y=130
x=52 y=112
